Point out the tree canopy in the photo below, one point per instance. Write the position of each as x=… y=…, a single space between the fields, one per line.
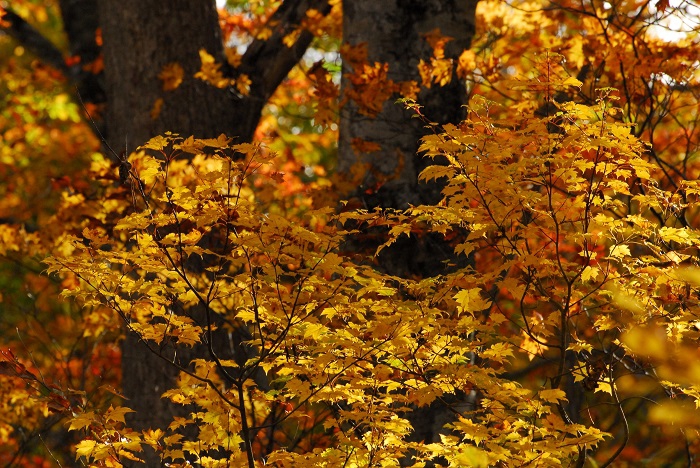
x=494 y=264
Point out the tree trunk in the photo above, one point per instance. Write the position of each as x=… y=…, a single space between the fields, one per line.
x=394 y=31
x=81 y=23
x=140 y=38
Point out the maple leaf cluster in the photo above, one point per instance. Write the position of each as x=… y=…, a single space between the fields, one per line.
x=563 y=329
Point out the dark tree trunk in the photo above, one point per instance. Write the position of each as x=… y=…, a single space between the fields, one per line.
x=81 y=24
x=140 y=38
x=394 y=31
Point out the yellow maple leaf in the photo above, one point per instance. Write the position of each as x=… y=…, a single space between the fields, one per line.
x=290 y=39
x=156 y=143
x=85 y=448
x=552 y=395
x=571 y=81
x=156 y=109
x=470 y=300
x=466 y=63
x=604 y=385
x=117 y=414
x=233 y=57
x=243 y=83
x=210 y=71
x=171 y=76
x=590 y=273
x=620 y=250
x=531 y=347
x=82 y=420
x=152 y=436
x=441 y=72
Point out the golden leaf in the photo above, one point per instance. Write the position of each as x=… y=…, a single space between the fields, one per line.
x=470 y=300
x=552 y=395
x=156 y=109
x=171 y=76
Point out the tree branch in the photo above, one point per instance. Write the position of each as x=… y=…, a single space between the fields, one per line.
x=80 y=22
x=28 y=36
x=268 y=62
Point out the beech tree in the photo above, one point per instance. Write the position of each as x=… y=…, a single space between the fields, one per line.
x=535 y=297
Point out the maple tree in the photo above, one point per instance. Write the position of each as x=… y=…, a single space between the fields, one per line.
x=559 y=328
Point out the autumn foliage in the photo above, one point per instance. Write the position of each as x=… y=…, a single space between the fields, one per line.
x=563 y=329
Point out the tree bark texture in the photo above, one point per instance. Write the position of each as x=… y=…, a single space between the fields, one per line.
x=140 y=38
x=394 y=31
x=81 y=24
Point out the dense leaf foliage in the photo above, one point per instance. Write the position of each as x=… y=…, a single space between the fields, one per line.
x=563 y=329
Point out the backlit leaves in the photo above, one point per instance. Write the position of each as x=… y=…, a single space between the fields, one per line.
x=323 y=331
x=210 y=71
x=569 y=199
